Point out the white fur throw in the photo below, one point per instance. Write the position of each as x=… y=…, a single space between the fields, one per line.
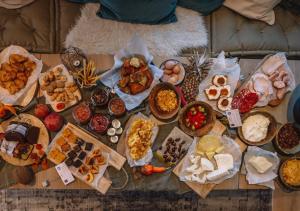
x=96 y=35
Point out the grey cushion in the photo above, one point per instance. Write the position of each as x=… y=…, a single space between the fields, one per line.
x=66 y=16
x=241 y=36
x=31 y=26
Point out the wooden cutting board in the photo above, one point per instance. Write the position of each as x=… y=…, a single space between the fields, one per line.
x=43 y=138
x=204 y=189
x=115 y=159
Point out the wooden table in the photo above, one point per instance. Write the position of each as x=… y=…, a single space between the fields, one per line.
x=281 y=200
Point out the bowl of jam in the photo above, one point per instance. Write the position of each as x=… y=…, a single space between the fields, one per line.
x=82 y=113
x=116 y=107
x=100 y=96
x=99 y=123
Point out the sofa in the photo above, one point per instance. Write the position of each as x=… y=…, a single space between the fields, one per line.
x=42 y=26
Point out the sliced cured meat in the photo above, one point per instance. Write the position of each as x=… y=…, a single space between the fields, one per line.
x=244 y=101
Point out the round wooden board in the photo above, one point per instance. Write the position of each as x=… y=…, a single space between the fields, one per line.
x=43 y=138
x=272 y=129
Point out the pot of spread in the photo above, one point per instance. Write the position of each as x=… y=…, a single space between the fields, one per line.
x=116 y=107
x=82 y=113
x=99 y=123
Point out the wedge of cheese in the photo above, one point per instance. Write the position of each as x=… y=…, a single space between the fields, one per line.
x=261 y=164
x=206 y=165
x=224 y=161
x=217 y=174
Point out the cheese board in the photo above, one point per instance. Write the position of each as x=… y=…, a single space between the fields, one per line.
x=204 y=189
x=86 y=157
x=43 y=138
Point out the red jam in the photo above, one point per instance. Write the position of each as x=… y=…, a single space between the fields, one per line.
x=99 y=123
x=82 y=113
x=117 y=107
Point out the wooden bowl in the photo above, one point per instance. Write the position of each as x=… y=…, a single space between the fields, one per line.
x=281 y=179
x=281 y=150
x=272 y=129
x=210 y=121
x=156 y=111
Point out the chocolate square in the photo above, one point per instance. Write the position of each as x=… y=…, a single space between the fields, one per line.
x=82 y=155
x=77 y=163
x=72 y=154
x=89 y=146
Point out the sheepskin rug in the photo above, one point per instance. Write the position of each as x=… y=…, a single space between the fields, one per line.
x=95 y=35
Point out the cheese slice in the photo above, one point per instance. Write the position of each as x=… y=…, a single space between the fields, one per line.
x=224 y=161
x=217 y=174
x=210 y=155
x=261 y=164
x=206 y=165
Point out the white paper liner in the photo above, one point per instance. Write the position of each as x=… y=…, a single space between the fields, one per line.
x=230 y=147
x=149 y=155
x=221 y=66
x=7 y=98
x=254 y=177
x=291 y=86
x=70 y=78
x=111 y=78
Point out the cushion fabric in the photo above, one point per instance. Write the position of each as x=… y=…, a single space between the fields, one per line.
x=32 y=26
x=254 y=9
x=13 y=4
x=241 y=36
x=146 y=11
x=205 y=7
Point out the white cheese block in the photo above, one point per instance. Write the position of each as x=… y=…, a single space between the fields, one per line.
x=224 y=161
x=261 y=164
x=216 y=174
x=206 y=165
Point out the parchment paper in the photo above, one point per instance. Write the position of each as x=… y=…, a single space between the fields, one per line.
x=149 y=155
x=221 y=66
x=5 y=97
x=252 y=176
x=110 y=78
x=230 y=147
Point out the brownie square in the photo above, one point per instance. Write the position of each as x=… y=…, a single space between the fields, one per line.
x=77 y=163
x=79 y=142
x=77 y=148
x=72 y=154
x=82 y=155
x=69 y=162
x=32 y=135
x=89 y=146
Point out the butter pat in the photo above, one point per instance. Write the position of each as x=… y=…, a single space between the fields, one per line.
x=261 y=164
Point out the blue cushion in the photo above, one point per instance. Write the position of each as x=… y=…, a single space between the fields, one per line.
x=139 y=11
x=205 y=7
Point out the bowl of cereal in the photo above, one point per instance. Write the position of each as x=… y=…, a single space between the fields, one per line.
x=164 y=101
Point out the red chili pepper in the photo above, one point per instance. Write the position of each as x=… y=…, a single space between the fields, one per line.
x=150 y=169
x=60 y=106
